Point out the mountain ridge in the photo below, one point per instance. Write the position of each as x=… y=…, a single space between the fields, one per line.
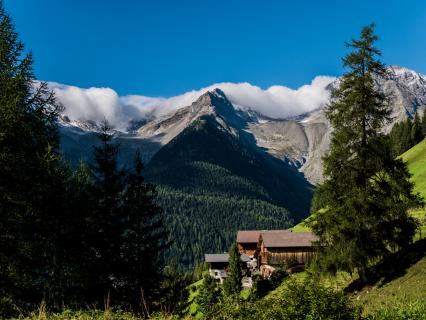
x=299 y=140
x=220 y=167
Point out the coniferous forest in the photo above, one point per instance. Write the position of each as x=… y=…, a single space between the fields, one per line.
x=405 y=135
x=68 y=238
x=106 y=241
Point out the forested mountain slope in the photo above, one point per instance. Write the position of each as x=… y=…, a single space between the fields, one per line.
x=214 y=181
x=213 y=160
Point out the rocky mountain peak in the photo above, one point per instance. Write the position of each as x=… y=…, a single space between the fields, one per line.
x=406 y=75
x=215 y=102
x=216 y=99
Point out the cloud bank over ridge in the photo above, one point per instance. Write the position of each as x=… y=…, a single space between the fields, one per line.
x=274 y=102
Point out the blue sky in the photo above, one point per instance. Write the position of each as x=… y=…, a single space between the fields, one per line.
x=164 y=48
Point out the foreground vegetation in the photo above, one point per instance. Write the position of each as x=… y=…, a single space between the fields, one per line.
x=298 y=298
x=93 y=239
x=92 y=236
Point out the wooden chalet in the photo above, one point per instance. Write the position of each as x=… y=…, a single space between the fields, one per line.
x=247 y=240
x=277 y=247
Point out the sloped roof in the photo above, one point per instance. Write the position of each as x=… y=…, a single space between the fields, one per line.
x=252 y=236
x=223 y=257
x=248 y=236
x=216 y=257
x=287 y=239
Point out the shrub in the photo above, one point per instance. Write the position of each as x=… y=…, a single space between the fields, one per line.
x=299 y=301
x=308 y=301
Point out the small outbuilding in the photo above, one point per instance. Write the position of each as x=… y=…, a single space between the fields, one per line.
x=218 y=264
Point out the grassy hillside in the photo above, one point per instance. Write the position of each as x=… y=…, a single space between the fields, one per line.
x=408 y=288
x=416 y=162
x=300 y=227
x=398 y=280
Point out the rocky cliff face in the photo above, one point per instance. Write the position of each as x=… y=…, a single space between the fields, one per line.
x=304 y=141
x=300 y=141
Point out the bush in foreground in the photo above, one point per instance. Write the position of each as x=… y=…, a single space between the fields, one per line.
x=300 y=301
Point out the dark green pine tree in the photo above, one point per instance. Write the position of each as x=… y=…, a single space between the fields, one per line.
x=416 y=130
x=174 y=290
x=143 y=238
x=105 y=219
x=395 y=137
x=75 y=242
x=208 y=296
x=232 y=284
x=29 y=175
x=366 y=192
x=424 y=124
x=406 y=137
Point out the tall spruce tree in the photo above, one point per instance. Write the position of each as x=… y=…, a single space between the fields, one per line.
x=366 y=192
x=416 y=130
x=30 y=173
x=405 y=135
x=174 y=290
x=143 y=238
x=105 y=219
x=424 y=124
x=126 y=232
x=232 y=284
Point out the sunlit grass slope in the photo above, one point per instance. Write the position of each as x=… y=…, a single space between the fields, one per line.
x=416 y=162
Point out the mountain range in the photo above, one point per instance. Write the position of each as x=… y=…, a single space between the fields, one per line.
x=220 y=167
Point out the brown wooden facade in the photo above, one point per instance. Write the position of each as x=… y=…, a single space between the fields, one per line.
x=277 y=247
x=285 y=248
x=286 y=256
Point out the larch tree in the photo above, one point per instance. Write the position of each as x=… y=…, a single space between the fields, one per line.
x=360 y=212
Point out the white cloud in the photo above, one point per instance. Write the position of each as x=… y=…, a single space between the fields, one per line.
x=275 y=102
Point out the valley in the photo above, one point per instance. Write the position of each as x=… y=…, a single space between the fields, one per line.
x=220 y=168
